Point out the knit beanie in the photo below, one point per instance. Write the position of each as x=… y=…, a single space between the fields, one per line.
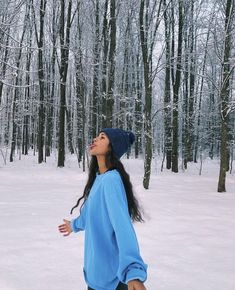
x=120 y=139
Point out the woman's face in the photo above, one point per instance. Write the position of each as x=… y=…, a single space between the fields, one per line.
x=99 y=145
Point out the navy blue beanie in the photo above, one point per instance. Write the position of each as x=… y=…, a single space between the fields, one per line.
x=120 y=139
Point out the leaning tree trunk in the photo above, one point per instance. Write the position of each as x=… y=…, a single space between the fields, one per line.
x=224 y=95
x=148 y=30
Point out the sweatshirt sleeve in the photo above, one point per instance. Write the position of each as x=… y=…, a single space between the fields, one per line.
x=131 y=265
x=79 y=223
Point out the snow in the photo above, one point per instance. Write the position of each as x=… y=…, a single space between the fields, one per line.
x=187 y=240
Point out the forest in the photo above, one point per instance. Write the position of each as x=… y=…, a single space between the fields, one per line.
x=163 y=69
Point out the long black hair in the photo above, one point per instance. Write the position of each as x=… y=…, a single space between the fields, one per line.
x=112 y=162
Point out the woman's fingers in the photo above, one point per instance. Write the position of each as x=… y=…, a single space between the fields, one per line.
x=136 y=285
x=62 y=227
x=65 y=235
x=65 y=228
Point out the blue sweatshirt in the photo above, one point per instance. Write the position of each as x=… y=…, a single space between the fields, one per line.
x=111 y=251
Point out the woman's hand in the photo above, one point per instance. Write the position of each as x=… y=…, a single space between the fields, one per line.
x=136 y=285
x=65 y=228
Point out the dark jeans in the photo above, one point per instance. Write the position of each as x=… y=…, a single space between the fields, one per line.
x=120 y=286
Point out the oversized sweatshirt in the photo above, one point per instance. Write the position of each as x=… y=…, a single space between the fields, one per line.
x=111 y=251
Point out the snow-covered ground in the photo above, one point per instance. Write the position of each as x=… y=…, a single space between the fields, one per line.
x=188 y=239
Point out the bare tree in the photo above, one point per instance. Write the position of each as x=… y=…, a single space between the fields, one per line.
x=224 y=94
x=147 y=41
x=64 y=62
x=40 y=42
x=167 y=88
x=176 y=87
x=111 y=65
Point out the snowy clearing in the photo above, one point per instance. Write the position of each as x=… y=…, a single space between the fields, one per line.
x=188 y=239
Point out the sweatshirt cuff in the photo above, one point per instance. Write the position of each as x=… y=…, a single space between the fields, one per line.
x=74 y=229
x=136 y=274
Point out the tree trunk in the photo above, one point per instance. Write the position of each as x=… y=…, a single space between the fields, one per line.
x=138 y=109
x=191 y=88
x=148 y=97
x=80 y=98
x=95 y=91
x=105 y=30
x=111 y=65
x=64 y=49
x=224 y=95
x=41 y=112
x=50 y=108
x=25 y=141
x=167 y=92
x=176 y=88
x=69 y=121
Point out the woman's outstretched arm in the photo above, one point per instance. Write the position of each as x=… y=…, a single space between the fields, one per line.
x=75 y=225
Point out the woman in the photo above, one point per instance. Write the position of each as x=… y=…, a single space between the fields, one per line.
x=111 y=256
